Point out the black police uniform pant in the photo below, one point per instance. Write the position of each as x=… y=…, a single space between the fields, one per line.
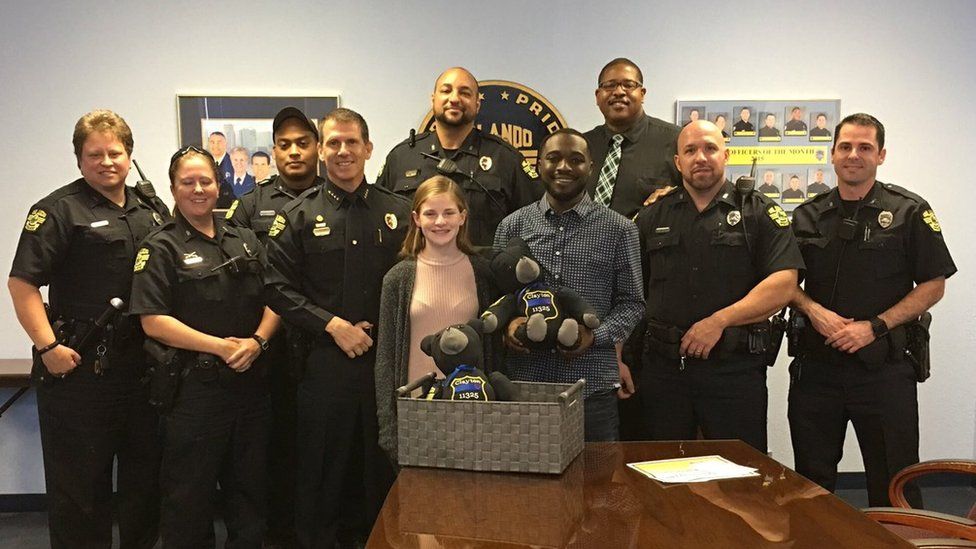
x=725 y=398
x=882 y=404
x=343 y=475
x=217 y=432
x=282 y=462
x=87 y=422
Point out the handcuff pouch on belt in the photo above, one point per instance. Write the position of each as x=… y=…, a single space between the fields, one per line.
x=164 y=374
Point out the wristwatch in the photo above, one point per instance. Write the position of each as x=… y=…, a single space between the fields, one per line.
x=878 y=327
x=261 y=341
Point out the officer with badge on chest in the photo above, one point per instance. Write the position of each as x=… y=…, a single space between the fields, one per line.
x=329 y=252
x=199 y=289
x=717 y=264
x=80 y=241
x=876 y=262
x=495 y=177
x=296 y=141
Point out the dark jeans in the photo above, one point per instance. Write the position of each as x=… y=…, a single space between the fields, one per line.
x=213 y=435
x=87 y=422
x=601 y=420
x=881 y=403
x=725 y=398
x=343 y=475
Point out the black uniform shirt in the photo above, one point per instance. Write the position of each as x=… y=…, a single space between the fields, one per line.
x=175 y=275
x=816 y=188
x=504 y=180
x=81 y=245
x=897 y=243
x=743 y=126
x=819 y=132
x=256 y=210
x=796 y=126
x=697 y=263
x=646 y=162
x=766 y=131
x=329 y=250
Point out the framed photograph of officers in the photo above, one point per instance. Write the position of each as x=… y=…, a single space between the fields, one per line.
x=790 y=140
x=236 y=130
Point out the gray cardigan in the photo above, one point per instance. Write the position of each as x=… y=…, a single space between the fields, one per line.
x=392 y=352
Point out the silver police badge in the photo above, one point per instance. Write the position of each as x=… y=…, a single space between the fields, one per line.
x=485 y=163
x=733 y=218
x=885 y=218
x=391 y=221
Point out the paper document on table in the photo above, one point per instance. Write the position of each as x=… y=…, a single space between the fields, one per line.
x=696 y=469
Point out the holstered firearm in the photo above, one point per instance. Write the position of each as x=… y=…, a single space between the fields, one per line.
x=794 y=332
x=62 y=332
x=917 y=346
x=777 y=328
x=164 y=374
x=663 y=339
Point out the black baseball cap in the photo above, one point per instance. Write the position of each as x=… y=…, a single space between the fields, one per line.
x=292 y=112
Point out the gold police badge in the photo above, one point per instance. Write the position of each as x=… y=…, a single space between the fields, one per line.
x=779 y=217
x=277 y=226
x=885 y=219
x=35 y=219
x=142 y=257
x=928 y=216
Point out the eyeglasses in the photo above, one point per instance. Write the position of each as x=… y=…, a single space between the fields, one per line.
x=627 y=85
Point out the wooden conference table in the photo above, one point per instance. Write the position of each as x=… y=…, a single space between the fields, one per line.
x=14 y=372
x=599 y=502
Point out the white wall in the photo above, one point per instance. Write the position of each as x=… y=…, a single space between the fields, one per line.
x=909 y=63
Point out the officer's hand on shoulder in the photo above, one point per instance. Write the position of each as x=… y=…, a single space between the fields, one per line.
x=351 y=338
x=61 y=360
x=654 y=196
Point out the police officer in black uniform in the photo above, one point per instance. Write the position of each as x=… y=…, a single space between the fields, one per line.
x=717 y=265
x=198 y=285
x=328 y=253
x=92 y=408
x=296 y=157
x=495 y=177
x=876 y=261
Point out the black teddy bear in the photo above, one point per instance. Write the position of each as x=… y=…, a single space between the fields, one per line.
x=457 y=352
x=553 y=315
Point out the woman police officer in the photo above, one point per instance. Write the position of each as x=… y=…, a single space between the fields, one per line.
x=198 y=286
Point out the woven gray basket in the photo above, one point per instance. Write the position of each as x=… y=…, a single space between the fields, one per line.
x=540 y=434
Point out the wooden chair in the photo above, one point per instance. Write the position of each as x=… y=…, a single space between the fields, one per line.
x=927 y=528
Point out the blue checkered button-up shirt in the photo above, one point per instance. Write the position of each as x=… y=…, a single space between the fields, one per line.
x=594 y=251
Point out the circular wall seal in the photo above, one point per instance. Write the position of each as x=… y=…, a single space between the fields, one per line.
x=516 y=113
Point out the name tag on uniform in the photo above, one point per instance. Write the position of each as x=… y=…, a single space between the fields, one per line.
x=266 y=213
x=662 y=230
x=411 y=173
x=98 y=224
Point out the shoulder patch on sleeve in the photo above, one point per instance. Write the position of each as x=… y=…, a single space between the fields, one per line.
x=779 y=217
x=142 y=257
x=928 y=216
x=529 y=170
x=232 y=209
x=277 y=226
x=35 y=219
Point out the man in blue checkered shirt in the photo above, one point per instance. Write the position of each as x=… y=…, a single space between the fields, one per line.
x=593 y=250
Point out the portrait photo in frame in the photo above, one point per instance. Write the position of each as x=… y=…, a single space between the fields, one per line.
x=239 y=128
